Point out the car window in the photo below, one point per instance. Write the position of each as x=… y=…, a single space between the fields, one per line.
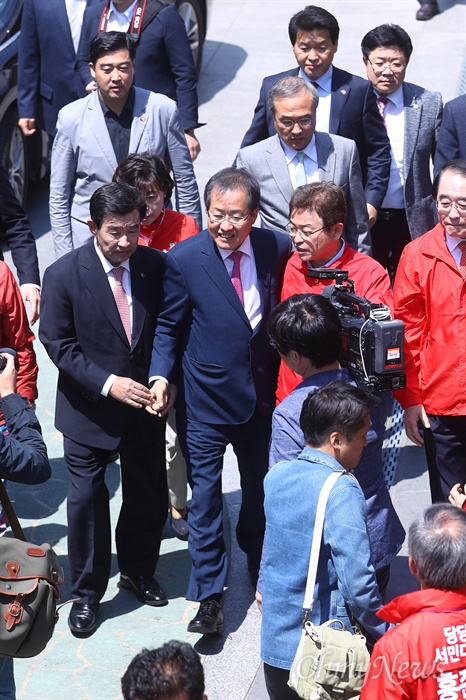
x=9 y=13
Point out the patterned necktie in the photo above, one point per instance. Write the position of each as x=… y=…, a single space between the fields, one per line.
x=300 y=172
x=236 y=274
x=462 y=247
x=381 y=104
x=121 y=301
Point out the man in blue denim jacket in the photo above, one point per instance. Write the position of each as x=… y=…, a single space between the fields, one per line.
x=335 y=421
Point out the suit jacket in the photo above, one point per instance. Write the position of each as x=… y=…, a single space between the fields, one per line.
x=47 y=67
x=423 y=115
x=15 y=226
x=337 y=160
x=83 y=159
x=164 y=60
x=82 y=332
x=452 y=138
x=353 y=114
x=204 y=340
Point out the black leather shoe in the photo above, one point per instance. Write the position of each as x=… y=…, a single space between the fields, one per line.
x=209 y=618
x=146 y=588
x=82 y=618
x=427 y=11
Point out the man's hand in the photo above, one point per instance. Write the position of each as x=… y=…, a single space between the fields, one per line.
x=372 y=214
x=413 y=414
x=128 y=391
x=193 y=145
x=27 y=126
x=259 y=600
x=163 y=397
x=90 y=87
x=31 y=294
x=457 y=497
x=8 y=376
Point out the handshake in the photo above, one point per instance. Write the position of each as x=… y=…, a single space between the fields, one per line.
x=157 y=400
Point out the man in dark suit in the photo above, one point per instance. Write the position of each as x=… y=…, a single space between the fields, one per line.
x=218 y=290
x=164 y=58
x=452 y=137
x=99 y=309
x=347 y=106
x=47 y=70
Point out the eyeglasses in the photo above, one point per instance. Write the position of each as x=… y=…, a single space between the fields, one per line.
x=395 y=66
x=234 y=219
x=446 y=205
x=293 y=231
x=304 y=122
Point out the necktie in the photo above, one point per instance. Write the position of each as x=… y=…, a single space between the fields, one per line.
x=121 y=301
x=381 y=104
x=316 y=85
x=236 y=274
x=300 y=172
x=462 y=247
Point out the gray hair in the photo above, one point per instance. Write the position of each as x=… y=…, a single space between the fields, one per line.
x=437 y=544
x=291 y=87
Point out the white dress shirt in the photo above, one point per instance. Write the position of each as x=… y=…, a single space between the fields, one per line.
x=120 y=21
x=394 y=117
x=252 y=300
x=324 y=89
x=75 y=11
x=310 y=161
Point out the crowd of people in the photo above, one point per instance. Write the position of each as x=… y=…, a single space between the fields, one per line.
x=173 y=342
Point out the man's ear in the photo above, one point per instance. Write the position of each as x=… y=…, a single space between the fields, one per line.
x=336 y=231
x=335 y=440
x=92 y=226
x=92 y=69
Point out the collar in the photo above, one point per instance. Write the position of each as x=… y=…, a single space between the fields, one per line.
x=312 y=454
x=395 y=98
x=335 y=257
x=429 y=599
x=245 y=248
x=310 y=150
x=129 y=104
x=106 y=264
x=324 y=82
x=128 y=13
x=453 y=241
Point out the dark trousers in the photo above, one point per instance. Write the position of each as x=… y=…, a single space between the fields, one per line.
x=389 y=235
x=445 y=445
x=276 y=682
x=143 y=510
x=203 y=446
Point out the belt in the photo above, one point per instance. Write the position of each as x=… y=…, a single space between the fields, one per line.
x=391 y=214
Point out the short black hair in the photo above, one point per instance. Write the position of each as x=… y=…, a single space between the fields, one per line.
x=456 y=166
x=230 y=180
x=116 y=198
x=308 y=324
x=336 y=407
x=311 y=18
x=164 y=673
x=387 y=35
x=145 y=171
x=108 y=42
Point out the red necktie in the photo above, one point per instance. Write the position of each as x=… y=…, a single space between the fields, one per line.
x=381 y=103
x=121 y=301
x=462 y=247
x=236 y=274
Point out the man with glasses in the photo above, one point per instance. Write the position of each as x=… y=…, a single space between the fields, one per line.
x=318 y=215
x=430 y=298
x=211 y=341
x=412 y=118
x=298 y=155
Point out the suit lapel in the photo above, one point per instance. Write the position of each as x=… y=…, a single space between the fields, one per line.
x=61 y=18
x=138 y=291
x=214 y=266
x=140 y=117
x=340 y=93
x=261 y=256
x=95 y=279
x=413 y=116
x=96 y=122
x=326 y=160
x=276 y=161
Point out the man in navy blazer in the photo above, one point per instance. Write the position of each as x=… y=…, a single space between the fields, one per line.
x=102 y=354
x=164 y=59
x=347 y=106
x=47 y=69
x=452 y=137
x=211 y=340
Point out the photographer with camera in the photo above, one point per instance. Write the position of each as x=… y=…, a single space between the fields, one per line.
x=318 y=215
x=23 y=458
x=306 y=332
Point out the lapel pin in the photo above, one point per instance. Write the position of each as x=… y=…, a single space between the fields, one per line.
x=143 y=119
x=343 y=92
x=143 y=274
x=415 y=105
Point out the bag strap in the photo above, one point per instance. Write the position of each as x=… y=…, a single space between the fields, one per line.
x=10 y=513
x=317 y=538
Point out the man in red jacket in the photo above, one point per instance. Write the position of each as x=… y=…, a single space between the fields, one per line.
x=430 y=297
x=424 y=656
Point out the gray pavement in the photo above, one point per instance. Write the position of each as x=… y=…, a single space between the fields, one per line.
x=247 y=39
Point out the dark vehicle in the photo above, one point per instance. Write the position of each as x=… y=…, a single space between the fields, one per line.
x=27 y=158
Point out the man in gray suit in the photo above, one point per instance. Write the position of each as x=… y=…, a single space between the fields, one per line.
x=412 y=118
x=298 y=155
x=98 y=132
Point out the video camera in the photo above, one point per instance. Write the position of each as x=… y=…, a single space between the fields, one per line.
x=372 y=342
